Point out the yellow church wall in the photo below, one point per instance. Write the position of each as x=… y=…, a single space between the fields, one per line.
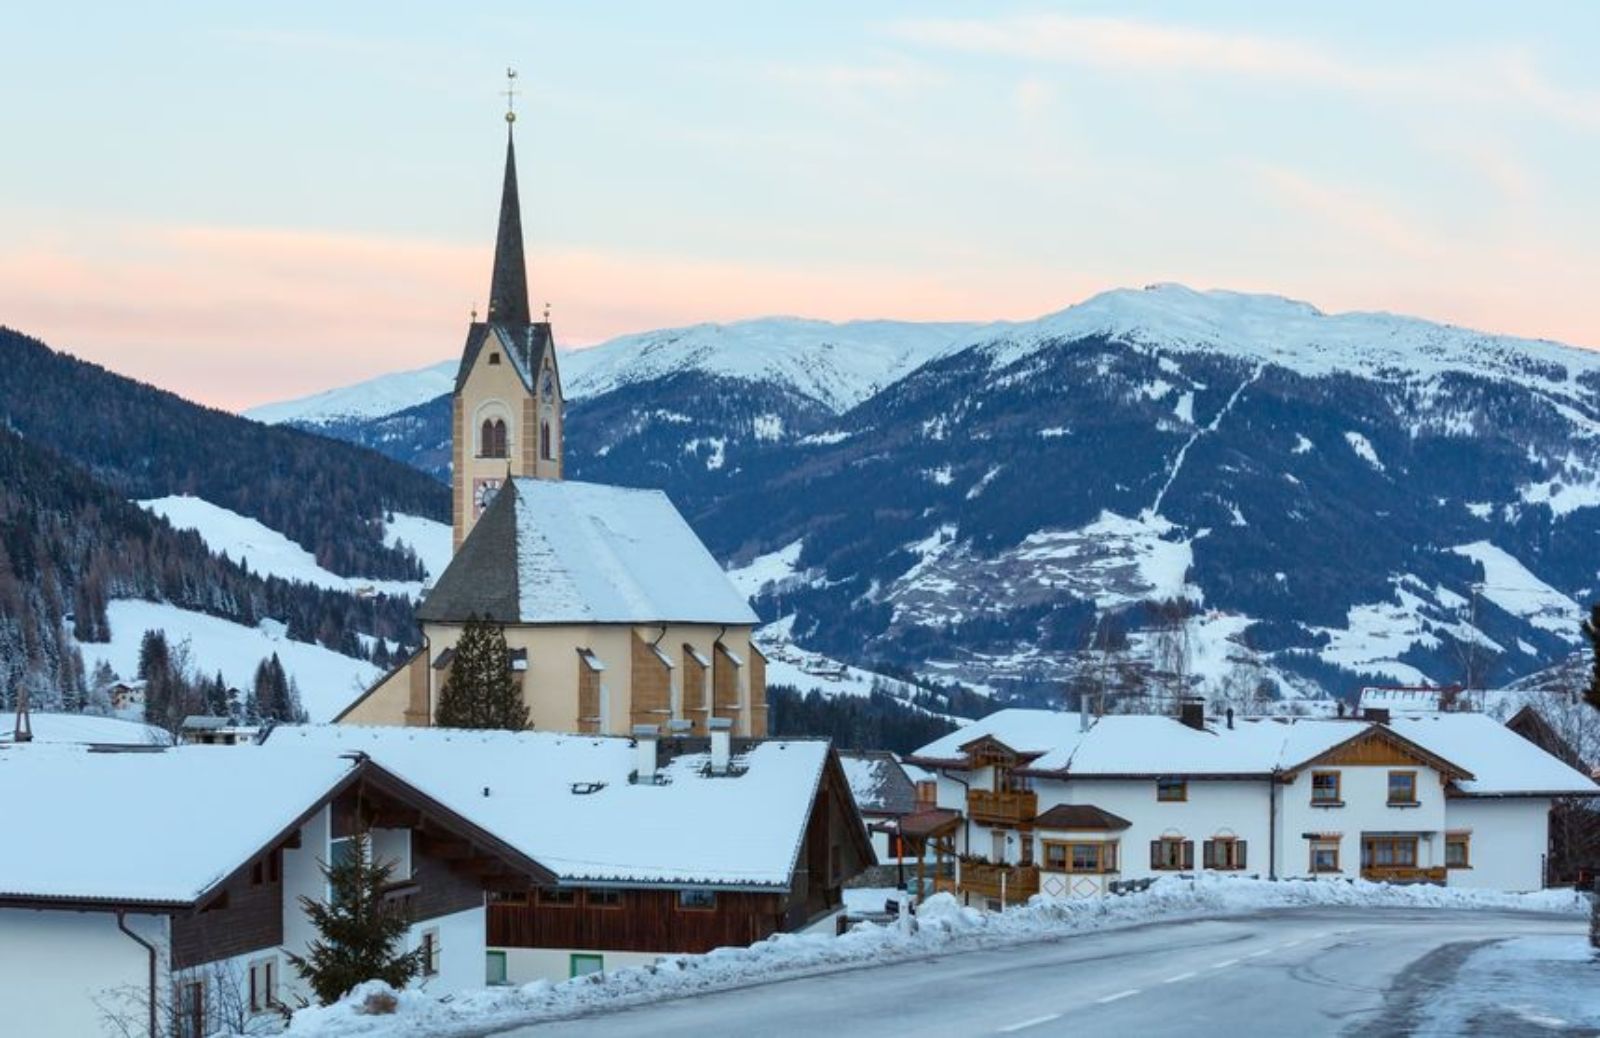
x=551 y=682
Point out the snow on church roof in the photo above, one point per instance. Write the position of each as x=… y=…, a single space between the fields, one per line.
x=558 y=551
x=742 y=830
x=142 y=826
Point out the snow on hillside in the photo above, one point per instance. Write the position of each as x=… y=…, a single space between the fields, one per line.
x=807 y=671
x=328 y=681
x=1296 y=335
x=268 y=552
x=839 y=365
x=429 y=538
x=372 y=398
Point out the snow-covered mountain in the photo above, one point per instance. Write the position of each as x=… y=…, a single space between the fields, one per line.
x=372 y=398
x=1339 y=497
x=835 y=365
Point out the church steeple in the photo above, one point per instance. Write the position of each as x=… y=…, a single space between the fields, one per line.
x=508 y=289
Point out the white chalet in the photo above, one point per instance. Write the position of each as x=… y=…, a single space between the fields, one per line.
x=657 y=846
x=1053 y=805
x=156 y=890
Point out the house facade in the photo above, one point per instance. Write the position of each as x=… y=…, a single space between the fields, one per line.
x=171 y=906
x=657 y=846
x=1075 y=809
x=614 y=612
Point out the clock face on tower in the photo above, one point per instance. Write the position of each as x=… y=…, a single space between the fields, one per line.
x=483 y=491
x=547 y=386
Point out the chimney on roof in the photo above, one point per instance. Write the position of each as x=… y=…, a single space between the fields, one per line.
x=721 y=744
x=1377 y=714
x=644 y=743
x=1192 y=712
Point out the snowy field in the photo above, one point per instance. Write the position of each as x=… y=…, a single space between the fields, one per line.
x=328 y=681
x=266 y=551
x=83 y=729
x=942 y=926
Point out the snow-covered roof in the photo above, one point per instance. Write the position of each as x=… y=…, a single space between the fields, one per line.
x=1497 y=761
x=86 y=729
x=878 y=782
x=1396 y=698
x=1502 y=762
x=139 y=826
x=742 y=830
x=1026 y=731
x=558 y=551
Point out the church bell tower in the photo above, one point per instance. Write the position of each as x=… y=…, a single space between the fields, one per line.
x=507 y=408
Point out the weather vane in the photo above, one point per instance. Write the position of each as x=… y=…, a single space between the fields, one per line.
x=511 y=95
x=547 y=313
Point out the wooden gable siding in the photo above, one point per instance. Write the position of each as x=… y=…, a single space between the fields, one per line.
x=724 y=685
x=1379 y=746
x=647 y=920
x=248 y=917
x=650 y=695
x=442 y=888
x=588 y=698
x=696 y=694
x=758 y=693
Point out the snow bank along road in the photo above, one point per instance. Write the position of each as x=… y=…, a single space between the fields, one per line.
x=1317 y=971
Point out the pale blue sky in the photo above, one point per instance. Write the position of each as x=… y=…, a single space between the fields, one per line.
x=243 y=203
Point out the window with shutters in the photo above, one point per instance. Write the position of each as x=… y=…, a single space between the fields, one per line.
x=1224 y=853
x=1171 y=853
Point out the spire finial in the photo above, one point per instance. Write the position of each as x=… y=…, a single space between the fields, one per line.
x=547 y=313
x=474 y=311
x=511 y=95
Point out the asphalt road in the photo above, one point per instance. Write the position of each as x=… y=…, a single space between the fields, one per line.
x=1301 y=972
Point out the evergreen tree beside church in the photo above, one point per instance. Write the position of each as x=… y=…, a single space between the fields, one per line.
x=482 y=691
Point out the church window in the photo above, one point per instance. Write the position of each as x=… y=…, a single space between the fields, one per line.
x=492 y=439
x=545 y=446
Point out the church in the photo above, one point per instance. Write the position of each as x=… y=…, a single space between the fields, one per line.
x=616 y=616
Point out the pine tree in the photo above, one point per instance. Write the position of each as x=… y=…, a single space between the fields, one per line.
x=481 y=691
x=360 y=931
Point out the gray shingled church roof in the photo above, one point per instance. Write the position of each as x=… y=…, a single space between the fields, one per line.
x=553 y=551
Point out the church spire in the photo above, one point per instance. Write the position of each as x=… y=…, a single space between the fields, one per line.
x=508 y=289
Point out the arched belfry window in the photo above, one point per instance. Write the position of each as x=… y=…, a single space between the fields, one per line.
x=546 y=448
x=492 y=438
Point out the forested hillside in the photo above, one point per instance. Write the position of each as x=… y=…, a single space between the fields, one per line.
x=143 y=442
x=68 y=545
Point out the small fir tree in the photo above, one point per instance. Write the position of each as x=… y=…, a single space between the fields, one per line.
x=481 y=691
x=360 y=931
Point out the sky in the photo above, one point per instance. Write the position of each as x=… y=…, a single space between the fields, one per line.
x=244 y=203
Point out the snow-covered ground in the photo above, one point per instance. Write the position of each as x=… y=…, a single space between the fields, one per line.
x=84 y=729
x=789 y=664
x=328 y=681
x=1527 y=985
x=942 y=926
x=269 y=552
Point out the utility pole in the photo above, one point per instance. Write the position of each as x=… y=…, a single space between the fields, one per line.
x=23 y=732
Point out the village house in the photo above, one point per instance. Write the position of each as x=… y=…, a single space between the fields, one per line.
x=169 y=900
x=656 y=846
x=1054 y=805
x=614 y=613
x=884 y=794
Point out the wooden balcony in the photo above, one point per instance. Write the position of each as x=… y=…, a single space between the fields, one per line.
x=1403 y=874
x=1009 y=807
x=981 y=879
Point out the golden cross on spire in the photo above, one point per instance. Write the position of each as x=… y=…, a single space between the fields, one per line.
x=511 y=95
